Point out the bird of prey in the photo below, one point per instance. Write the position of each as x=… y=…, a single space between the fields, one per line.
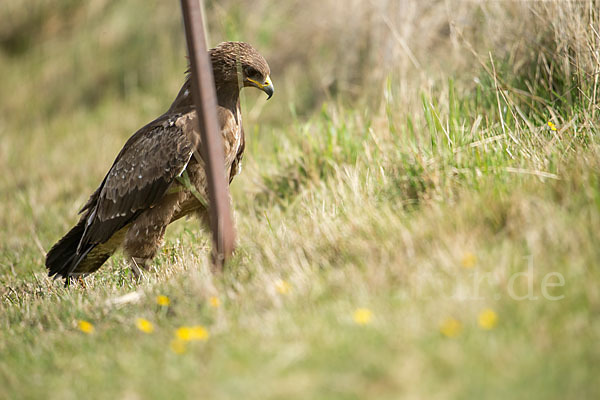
x=155 y=178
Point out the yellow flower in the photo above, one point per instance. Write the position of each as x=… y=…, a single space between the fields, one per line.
x=144 y=325
x=192 y=333
x=163 y=300
x=214 y=301
x=469 y=260
x=85 y=327
x=451 y=327
x=178 y=346
x=283 y=287
x=488 y=319
x=362 y=316
x=551 y=125
x=184 y=333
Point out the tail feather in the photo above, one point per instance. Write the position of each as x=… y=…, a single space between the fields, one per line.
x=63 y=259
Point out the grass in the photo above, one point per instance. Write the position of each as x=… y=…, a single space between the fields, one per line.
x=437 y=201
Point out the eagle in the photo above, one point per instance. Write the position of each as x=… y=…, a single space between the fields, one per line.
x=156 y=179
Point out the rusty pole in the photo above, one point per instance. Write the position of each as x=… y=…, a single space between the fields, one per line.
x=205 y=99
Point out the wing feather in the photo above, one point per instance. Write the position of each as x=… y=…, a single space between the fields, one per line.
x=139 y=177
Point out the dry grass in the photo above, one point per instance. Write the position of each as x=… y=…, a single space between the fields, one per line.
x=405 y=168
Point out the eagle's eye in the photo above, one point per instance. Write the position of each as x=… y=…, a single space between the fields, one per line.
x=251 y=72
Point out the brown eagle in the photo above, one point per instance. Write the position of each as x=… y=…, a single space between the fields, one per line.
x=153 y=179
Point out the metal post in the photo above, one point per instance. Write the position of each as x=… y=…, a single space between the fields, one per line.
x=205 y=99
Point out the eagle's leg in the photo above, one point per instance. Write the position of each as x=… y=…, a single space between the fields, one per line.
x=142 y=243
x=145 y=236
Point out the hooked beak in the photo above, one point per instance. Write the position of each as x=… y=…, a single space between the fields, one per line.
x=266 y=87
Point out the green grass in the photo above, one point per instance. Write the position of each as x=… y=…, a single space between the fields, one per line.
x=374 y=201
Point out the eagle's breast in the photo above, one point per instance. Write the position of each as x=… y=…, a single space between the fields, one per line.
x=230 y=122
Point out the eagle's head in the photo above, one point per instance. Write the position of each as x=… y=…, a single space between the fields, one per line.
x=240 y=64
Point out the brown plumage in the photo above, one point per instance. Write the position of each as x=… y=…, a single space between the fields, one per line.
x=151 y=181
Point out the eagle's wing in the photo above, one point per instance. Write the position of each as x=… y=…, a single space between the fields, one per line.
x=142 y=172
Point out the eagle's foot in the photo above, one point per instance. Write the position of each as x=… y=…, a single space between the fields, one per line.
x=81 y=282
x=137 y=265
x=75 y=281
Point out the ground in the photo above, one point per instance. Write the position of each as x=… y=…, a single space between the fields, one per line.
x=427 y=229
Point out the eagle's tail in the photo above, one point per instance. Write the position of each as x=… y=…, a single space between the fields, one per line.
x=63 y=259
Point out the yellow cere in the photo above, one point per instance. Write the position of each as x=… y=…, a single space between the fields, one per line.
x=488 y=319
x=85 y=327
x=178 y=346
x=144 y=325
x=260 y=85
x=214 y=302
x=163 y=300
x=451 y=327
x=468 y=260
x=551 y=125
x=192 y=333
x=283 y=287
x=362 y=316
